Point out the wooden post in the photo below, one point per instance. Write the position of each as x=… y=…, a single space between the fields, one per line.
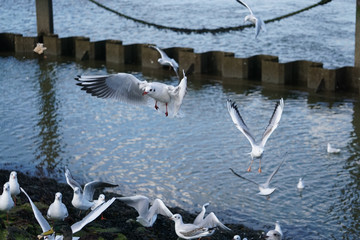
x=44 y=17
x=357 y=35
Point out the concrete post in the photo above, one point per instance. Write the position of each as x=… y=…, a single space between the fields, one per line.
x=44 y=17
x=357 y=35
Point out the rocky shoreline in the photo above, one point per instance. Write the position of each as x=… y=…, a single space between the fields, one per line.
x=119 y=224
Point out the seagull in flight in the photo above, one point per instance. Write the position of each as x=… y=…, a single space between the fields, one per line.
x=83 y=198
x=204 y=228
x=48 y=232
x=257 y=148
x=165 y=60
x=259 y=23
x=264 y=188
x=127 y=88
x=147 y=214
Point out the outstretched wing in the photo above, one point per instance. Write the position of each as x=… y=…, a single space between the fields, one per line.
x=238 y=175
x=71 y=181
x=238 y=121
x=211 y=221
x=90 y=188
x=39 y=217
x=274 y=121
x=139 y=202
x=91 y=216
x=200 y=217
x=266 y=184
x=122 y=86
x=162 y=53
x=158 y=207
x=245 y=5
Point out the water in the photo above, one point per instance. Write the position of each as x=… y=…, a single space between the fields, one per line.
x=323 y=34
x=47 y=122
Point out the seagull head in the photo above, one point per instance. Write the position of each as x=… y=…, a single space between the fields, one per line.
x=273 y=235
x=250 y=18
x=236 y=237
x=149 y=90
x=13 y=175
x=58 y=196
x=101 y=197
x=176 y=218
x=7 y=187
x=76 y=190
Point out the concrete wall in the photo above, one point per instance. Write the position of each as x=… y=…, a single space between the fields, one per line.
x=264 y=68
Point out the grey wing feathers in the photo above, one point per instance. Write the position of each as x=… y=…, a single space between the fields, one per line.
x=91 y=216
x=245 y=5
x=273 y=174
x=71 y=181
x=211 y=221
x=121 y=86
x=39 y=217
x=90 y=187
x=238 y=175
x=139 y=202
x=274 y=121
x=238 y=121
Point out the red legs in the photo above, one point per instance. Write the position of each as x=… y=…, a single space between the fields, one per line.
x=259 y=170
x=14 y=199
x=102 y=217
x=156 y=106
x=252 y=160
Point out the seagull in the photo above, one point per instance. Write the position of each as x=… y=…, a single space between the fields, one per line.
x=300 y=184
x=6 y=202
x=14 y=185
x=278 y=228
x=257 y=148
x=331 y=149
x=273 y=235
x=48 y=232
x=205 y=228
x=39 y=49
x=263 y=188
x=259 y=23
x=200 y=217
x=57 y=210
x=127 y=88
x=236 y=237
x=83 y=198
x=147 y=216
x=165 y=60
x=99 y=201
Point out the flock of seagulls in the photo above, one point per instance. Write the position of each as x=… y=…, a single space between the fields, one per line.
x=168 y=99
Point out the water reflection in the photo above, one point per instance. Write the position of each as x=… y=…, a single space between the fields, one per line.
x=49 y=147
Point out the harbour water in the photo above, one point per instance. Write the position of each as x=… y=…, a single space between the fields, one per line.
x=48 y=123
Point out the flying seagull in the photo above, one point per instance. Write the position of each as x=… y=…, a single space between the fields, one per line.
x=257 y=148
x=166 y=61
x=127 y=88
x=83 y=198
x=264 y=188
x=259 y=23
x=147 y=214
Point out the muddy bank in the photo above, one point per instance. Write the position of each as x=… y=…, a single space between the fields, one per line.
x=119 y=223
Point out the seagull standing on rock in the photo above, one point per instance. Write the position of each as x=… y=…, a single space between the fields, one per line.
x=57 y=210
x=6 y=202
x=14 y=185
x=257 y=149
x=127 y=88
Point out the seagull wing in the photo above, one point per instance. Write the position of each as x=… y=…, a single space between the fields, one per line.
x=238 y=121
x=245 y=5
x=76 y=227
x=236 y=174
x=39 y=217
x=90 y=188
x=162 y=53
x=200 y=217
x=158 y=207
x=122 y=86
x=266 y=184
x=139 y=202
x=71 y=181
x=211 y=221
x=274 y=121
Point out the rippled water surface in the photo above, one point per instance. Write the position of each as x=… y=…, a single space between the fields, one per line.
x=47 y=122
x=323 y=34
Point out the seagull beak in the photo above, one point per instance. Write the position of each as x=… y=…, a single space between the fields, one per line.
x=51 y=231
x=144 y=93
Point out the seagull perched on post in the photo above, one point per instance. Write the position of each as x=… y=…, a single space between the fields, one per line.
x=259 y=23
x=257 y=148
x=263 y=188
x=127 y=88
x=83 y=198
x=166 y=61
x=147 y=214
